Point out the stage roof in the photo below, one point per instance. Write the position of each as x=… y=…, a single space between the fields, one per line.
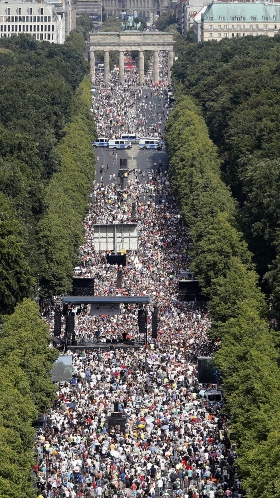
x=106 y=299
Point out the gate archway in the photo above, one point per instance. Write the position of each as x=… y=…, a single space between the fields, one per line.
x=127 y=41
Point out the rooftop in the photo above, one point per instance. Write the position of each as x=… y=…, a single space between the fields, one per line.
x=198 y=16
x=239 y=11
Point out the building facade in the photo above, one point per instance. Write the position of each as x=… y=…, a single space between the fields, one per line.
x=50 y=21
x=92 y=8
x=148 y=10
x=65 y=8
x=187 y=10
x=229 y=20
x=197 y=24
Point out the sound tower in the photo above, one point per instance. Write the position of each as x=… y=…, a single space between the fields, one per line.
x=116 y=259
x=83 y=286
x=57 y=323
x=119 y=278
x=142 y=321
x=206 y=370
x=117 y=421
x=65 y=309
x=155 y=323
x=190 y=290
x=70 y=325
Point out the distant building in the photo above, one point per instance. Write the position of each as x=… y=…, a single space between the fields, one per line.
x=197 y=24
x=235 y=19
x=188 y=9
x=67 y=9
x=147 y=10
x=40 y=20
x=92 y=8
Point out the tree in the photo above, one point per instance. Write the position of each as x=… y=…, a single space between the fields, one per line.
x=229 y=291
x=15 y=273
x=60 y=231
x=25 y=344
x=17 y=408
x=236 y=84
x=248 y=356
x=165 y=20
x=83 y=27
x=111 y=23
x=15 y=465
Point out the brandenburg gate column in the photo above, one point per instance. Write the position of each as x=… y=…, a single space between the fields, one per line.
x=141 y=67
x=156 y=71
x=106 y=66
x=170 y=64
x=92 y=65
x=121 y=67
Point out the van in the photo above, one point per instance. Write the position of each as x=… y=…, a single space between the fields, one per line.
x=213 y=396
x=150 y=143
x=131 y=138
x=119 y=144
x=101 y=142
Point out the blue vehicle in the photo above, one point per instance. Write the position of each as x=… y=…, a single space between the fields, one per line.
x=150 y=143
x=101 y=142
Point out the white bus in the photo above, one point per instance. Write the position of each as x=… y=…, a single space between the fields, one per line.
x=131 y=138
x=119 y=143
x=150 y=143
x=101 y=142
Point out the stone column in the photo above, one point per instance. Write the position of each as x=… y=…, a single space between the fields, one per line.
x=121 y=67
x=106 y=66
x=156 y=71
x=92 y=65
x=141 y=67
x=170 y=64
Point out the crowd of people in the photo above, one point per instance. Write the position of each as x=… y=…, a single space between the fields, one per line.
x=168 y=440
x=129 y=108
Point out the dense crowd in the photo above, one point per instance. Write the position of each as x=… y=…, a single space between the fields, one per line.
x=174 y=442
x=128 y=109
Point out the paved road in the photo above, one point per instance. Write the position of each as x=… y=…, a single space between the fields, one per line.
x=153 y=109
x=145 y=111
x=145 y=160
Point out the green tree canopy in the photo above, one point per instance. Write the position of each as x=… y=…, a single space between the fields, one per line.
x=15 y=273
x=25 y=343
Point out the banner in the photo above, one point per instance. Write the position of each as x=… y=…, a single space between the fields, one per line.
x=105 y=309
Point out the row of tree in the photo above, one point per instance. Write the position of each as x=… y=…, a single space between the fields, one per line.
x=34 y=125
x=223 y=264
x=67 y=199
x=236 y=83
x=26 y=391
x=46 y=174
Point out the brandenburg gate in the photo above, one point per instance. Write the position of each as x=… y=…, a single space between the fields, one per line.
x=154 y=41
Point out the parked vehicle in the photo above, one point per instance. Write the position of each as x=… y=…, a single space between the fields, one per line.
x=101 y=142
x=213 y=396
x=131 y=138
x=119 y=144
x=150 y=143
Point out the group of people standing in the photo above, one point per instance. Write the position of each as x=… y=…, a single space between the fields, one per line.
x=167 y=439
x=129 y=109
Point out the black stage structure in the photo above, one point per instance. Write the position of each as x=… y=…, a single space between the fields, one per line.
x=101 y=305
